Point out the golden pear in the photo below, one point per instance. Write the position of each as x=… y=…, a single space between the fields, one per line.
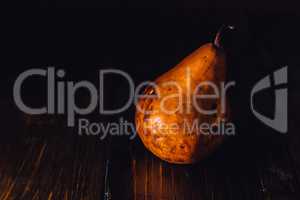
x=173 y=121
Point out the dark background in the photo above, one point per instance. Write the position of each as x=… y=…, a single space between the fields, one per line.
x=41 y=158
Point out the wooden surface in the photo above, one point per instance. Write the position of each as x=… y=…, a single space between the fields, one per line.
x=53 y=163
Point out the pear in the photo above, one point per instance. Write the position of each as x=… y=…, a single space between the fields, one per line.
x=171 y=121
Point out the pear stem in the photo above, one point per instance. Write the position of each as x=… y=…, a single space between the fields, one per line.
x=218 y=37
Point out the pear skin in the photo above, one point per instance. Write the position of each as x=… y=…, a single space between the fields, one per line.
x=165 y=123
